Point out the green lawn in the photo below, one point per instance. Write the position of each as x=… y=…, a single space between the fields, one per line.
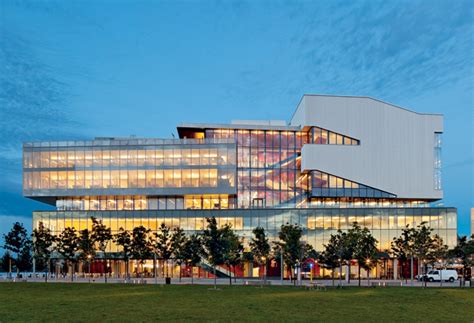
x=115 y=302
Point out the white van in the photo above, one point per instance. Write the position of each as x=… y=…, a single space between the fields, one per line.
x=444 y=274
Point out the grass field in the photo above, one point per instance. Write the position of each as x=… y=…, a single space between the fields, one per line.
x=115 y=302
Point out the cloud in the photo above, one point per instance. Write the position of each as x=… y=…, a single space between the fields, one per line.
x=32 y=107
x=389 y=48
x=384 y=49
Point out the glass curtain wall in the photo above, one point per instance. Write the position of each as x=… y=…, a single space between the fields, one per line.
x=129 y=164
x=325 y=137
x=118 y=203
x=318 y=224
x=268 y=167
x=326 y=185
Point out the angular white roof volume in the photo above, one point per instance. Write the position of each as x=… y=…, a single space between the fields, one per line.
x=396 y=151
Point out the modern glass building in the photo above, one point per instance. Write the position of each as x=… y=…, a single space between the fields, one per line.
x=338 y=160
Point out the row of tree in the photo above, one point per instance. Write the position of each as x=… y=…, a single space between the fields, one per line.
x=414 y=243
x=221 y=246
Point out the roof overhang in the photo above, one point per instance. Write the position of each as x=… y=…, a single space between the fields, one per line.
x=184 y=128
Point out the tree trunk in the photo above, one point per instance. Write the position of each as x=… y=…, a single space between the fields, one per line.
x=441 y=277
x=154 y=267
x=265 y=272
x=105 y=266
x=72 y=270
x=340 y=275
x=230 y=275
x=192 y=276
x=426 y=284
x=136 y=269
x=47 y=270
x=349 y=273
x=235 y=277
x=180 y=265
x=368 y=278
x=401 y=267
x=332 y=275
x=127 y=274
x=292 y=273
x=215 y=277
x=358 y=265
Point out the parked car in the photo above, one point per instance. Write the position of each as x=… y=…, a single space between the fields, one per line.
x=436 y=275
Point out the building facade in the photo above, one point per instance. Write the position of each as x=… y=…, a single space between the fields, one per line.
x=337 y=161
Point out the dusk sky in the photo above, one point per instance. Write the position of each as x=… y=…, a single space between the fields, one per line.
x=80 y=69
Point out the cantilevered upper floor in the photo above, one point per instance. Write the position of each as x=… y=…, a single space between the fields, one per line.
x=397 y=151
x=129 y=166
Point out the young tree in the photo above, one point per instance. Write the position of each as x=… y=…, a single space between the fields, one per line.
x=260 y=249
x=6 y=261
x=192 y=252
x=233 y=249
x=101 y=235
x=163 y=246
x=464 y=252
x=352 y=239
x=403 y=248
x=68 y=243
x=178 y=240
x=25 y=260
x=366 y=252
x=17 y=242
x=141 y=246
x=214 y=245
x=294 y=250
x=336 y=253
x=329 y=258
x=124 y=240
x=422 y=243
x=363 y=247
x=437 y=254
x=43 y=244
x=86 y=248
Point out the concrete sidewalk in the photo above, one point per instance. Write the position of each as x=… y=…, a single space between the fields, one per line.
x=243 y=281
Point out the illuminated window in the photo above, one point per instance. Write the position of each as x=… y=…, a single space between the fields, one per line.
x=322 y=136
x=339 y=187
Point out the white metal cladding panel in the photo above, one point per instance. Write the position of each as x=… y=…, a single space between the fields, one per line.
x=396 y=152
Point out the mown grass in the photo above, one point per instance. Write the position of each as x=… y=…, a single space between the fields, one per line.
x=29 y=302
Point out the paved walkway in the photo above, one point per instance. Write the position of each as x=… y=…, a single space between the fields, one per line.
x=244 y=281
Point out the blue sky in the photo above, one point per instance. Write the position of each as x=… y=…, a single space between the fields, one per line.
x=80 y=69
